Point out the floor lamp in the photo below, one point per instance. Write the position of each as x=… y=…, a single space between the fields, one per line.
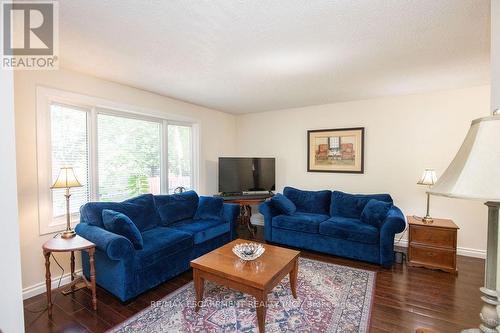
x=474 y=174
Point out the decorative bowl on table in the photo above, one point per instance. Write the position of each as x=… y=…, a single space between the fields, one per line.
x=248 y=251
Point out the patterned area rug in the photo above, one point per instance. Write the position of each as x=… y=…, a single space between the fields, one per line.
x=331 y=298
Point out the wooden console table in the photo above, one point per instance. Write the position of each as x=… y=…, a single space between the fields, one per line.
x=76 y=243
x=246 y=211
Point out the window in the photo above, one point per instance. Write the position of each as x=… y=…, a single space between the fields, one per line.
x=115 y=154
x=180 y=161
x=128 y=157
x=68 y=129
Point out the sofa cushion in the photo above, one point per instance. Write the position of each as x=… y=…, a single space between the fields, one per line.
x=351 y=205
x=160 y=243
x=209 y=208
x=349 y=229
x=176 y=207
x=141 y=210
x=375 y=212
x=121 y=224
x=283 y=204
x=203 y=230
x=304 y=222
x=316 y=202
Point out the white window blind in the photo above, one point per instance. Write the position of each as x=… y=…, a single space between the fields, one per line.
x=115 y=154
x=69 y=138
x=180 y=157
x=129 y=157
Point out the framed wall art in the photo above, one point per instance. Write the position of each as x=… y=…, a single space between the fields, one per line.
x=336 y=150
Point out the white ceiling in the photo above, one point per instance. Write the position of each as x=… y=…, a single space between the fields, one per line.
x=259 y=55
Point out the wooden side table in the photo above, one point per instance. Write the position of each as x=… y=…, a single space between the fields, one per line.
x=433 y=245
x=246 y=211
x=76 y=243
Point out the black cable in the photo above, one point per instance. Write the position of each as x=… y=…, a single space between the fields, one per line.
x=403 y=255
x=58 y=286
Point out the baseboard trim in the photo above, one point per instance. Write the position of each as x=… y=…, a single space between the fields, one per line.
x=462 y=251
x=39 y=288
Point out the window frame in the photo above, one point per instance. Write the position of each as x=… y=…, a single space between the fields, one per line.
x=194 y=154
x=45 y=97
x=61 y=219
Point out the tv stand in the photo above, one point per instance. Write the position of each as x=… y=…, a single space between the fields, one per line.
x=246 y=202
x=244 y=196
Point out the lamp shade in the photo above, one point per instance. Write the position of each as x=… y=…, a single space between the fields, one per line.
x=428 y=177
x=474 y=173
x=66 y=179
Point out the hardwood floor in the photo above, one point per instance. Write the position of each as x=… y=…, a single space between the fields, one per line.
x=405 y=299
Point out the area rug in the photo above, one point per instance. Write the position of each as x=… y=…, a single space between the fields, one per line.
x=330 y=298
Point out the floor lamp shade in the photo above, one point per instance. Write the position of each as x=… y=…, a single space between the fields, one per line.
x=474 y=173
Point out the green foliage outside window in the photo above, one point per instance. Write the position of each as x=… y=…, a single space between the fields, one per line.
x=137 y=184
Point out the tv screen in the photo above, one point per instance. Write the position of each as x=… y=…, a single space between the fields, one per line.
x=246 y=174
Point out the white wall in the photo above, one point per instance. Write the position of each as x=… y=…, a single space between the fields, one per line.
x=11 y=306
x=495 y=54
x=495 y=78
x=404 y=135
x=217 y=132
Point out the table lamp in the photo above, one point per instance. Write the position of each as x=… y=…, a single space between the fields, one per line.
x=474 y=174
x=428 y=178
x=67 y=180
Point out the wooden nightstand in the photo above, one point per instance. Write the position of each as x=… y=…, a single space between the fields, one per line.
x=433 y=245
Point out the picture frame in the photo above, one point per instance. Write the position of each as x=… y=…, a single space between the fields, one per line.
x=339 y=150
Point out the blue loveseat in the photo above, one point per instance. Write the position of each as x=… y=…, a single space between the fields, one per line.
x=331 y=222
x=173 y=230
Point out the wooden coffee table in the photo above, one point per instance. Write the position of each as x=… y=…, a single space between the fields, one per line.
x=257 y=278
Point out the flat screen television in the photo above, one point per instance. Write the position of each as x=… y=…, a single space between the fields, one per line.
x=244 y=175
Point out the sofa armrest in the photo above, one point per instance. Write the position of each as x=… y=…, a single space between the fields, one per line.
x=115 y=246
x=394 y=223
x=230 y=213
x=267 y=209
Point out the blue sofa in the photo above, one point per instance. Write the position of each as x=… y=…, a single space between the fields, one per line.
x=331 y=222
x=174 y=229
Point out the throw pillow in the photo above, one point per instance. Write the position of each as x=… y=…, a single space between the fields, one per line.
x=209 y=208
x=121 y=224
x=176 y=207
x=351 y=205
x=375 y=212
x=283 y=204
x=315 y=202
